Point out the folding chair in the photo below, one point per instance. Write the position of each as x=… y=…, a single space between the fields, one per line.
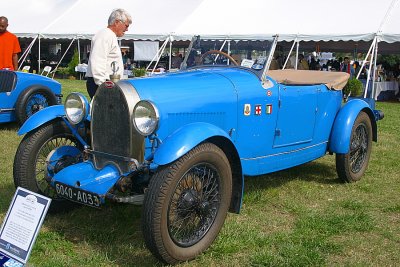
x=46 y=69
x=26 y=68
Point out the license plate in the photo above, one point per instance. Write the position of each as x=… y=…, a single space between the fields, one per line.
x=78 y=195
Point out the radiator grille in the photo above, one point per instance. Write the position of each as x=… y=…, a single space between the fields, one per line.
x=111 y=126
x=8 y=80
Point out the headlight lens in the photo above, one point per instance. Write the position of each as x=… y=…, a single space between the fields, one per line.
x=145 y=117
x=76 y=107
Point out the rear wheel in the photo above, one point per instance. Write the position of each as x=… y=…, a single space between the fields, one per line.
x=352 y=165
x=32 y=101
x=30 y=166
x=186 y=204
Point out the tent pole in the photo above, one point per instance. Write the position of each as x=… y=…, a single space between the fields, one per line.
x=229 y=50
x=59 y=62
x=290 y=52
x=170 y=55
x=220 y=49
x=26 y=52
x=366 y=57
x=39 y=56
x=79 y=51
x=374 y=75
x=370 y=69
x=297 y=55
x=158 y=55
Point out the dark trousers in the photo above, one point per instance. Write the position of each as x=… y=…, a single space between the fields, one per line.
x=91 y=86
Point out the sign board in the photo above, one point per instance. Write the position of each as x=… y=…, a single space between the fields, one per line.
x=21 y=225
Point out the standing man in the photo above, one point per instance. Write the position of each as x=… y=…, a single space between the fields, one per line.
x=9 y=47
x=347 y=67
x=105 y=50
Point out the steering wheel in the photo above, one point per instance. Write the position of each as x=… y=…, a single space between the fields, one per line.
x=220 y=53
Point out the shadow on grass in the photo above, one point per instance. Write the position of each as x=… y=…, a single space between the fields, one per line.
x=317 y=172
x=9 y=126
x=114 y=230
x=7 y=193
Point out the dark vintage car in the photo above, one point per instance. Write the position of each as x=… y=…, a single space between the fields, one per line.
x=181 y=143
x=22 y=94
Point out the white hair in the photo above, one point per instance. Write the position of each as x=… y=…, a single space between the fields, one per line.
x=119 y=14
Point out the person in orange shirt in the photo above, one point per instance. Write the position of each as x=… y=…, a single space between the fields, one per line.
x=9 y=47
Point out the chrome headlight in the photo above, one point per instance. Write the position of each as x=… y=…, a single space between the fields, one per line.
x=145 y=117
x=76 y=107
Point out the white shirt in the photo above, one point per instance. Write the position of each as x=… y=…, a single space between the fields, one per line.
x=104 y=51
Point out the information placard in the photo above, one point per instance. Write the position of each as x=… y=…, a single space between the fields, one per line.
x=22 y=224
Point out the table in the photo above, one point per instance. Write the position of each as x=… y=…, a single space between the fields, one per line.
x=386 y=86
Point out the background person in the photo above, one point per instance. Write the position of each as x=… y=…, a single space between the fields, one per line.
x=347 y=67
x=303 y=64
x=9 y=47
x=105 y=50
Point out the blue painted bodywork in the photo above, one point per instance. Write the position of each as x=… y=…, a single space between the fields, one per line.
x=341 y=130
x=85 y=176
x=24 y=81
x=286 y=125
x=41 y=117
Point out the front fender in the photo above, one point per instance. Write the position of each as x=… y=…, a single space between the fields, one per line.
x=339 y=141
x=184 y=139
x=41 y=117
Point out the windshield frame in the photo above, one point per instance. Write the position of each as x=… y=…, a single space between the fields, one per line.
x=195 y=45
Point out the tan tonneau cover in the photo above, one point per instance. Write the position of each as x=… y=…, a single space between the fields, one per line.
x=333 y=80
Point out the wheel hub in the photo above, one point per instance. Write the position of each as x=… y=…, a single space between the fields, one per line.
x=188 y=202
x=36 y=107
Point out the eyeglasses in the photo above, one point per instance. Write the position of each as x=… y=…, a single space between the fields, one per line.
x=126 y=25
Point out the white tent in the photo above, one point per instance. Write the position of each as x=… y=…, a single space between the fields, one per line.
x=156 y=19
x=307 y=20
x=152 y=19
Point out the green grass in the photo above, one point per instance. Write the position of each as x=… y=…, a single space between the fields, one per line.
x=298 y=217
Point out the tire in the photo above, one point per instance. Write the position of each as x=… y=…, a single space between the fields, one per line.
x=176 y=227
x=33 y=100
x=29 y=168
x=352 y=165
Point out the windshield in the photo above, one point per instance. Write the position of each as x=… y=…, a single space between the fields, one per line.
x=252 y=54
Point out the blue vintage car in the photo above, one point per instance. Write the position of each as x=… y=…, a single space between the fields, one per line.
x=22 y=94
x=181 y=143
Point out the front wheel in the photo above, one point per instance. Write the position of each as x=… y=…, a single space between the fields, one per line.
x=30 y=166
x=187 y=203
x=352 y=165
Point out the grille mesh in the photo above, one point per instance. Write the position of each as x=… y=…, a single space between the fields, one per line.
x=111 y=126
x=8 y=80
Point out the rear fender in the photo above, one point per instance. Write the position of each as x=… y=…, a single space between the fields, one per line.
x=339 y=141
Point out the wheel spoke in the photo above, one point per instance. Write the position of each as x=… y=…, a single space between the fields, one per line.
x=194 y=205
x=41 y=164
x=359 y=148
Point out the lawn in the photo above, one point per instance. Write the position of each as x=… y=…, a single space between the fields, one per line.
x=298 y=217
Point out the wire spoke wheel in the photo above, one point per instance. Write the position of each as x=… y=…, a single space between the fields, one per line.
x=194 y=205
x=35 y=103
x=41 y=161
x=351 y=166
x=32 y=169
x=186 y=204
x=358 y=148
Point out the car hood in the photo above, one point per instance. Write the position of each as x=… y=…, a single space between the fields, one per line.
x=193 y=86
